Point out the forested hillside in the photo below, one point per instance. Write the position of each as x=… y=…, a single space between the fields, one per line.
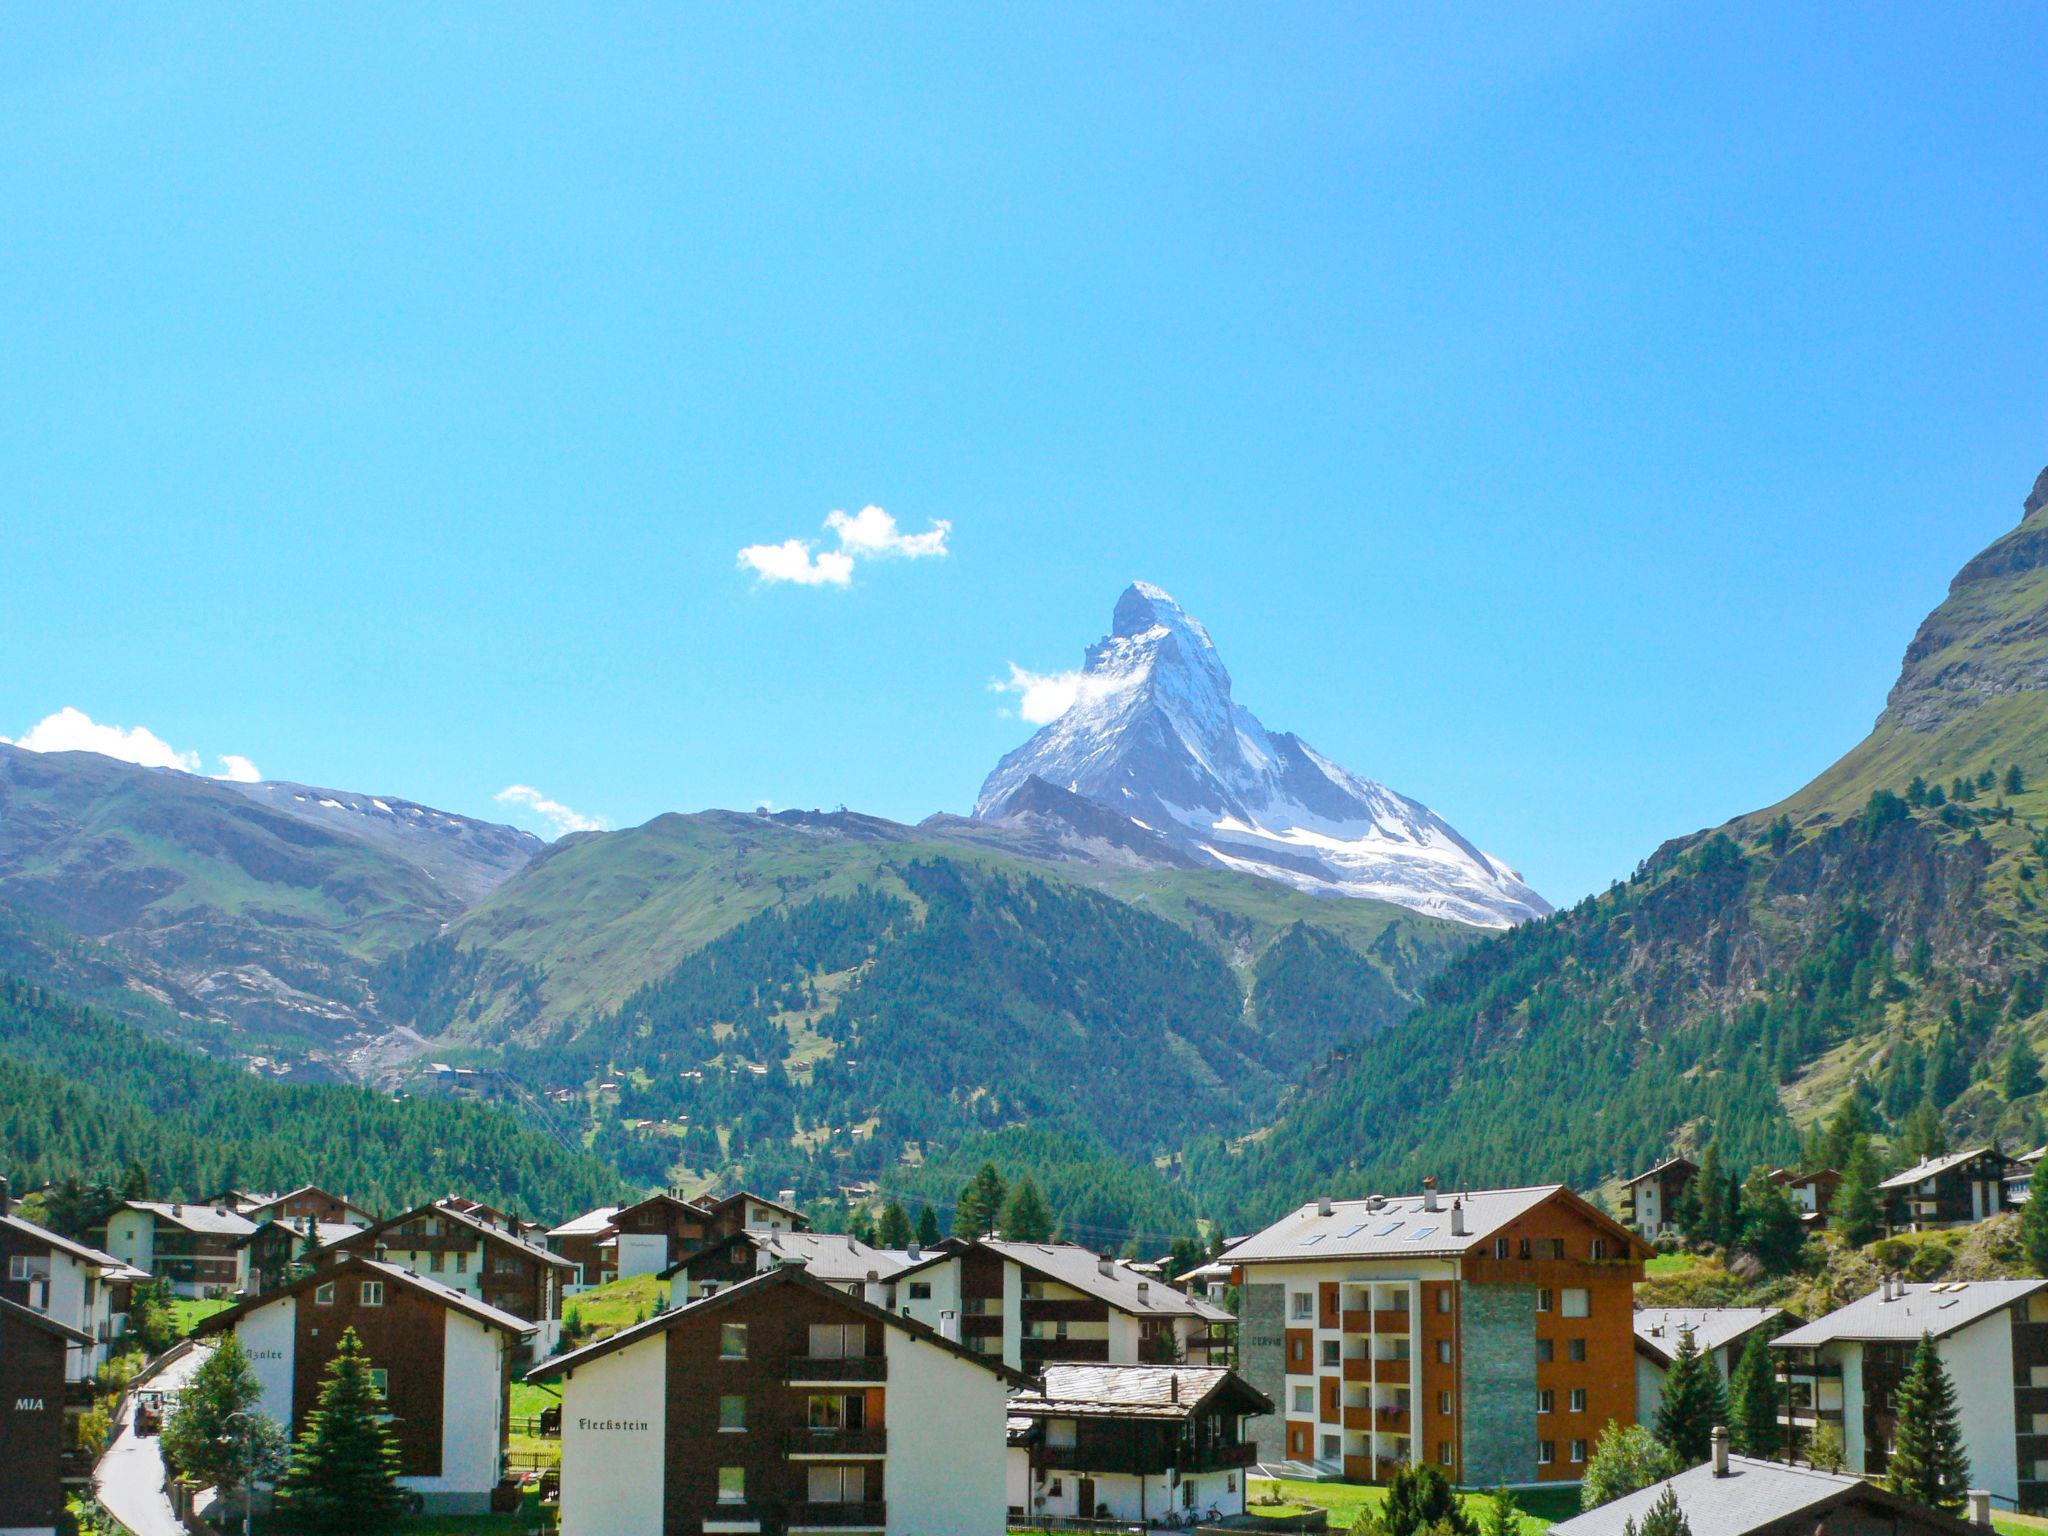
x=83 y=1096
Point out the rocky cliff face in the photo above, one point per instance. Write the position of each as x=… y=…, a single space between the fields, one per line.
x=1155 y=735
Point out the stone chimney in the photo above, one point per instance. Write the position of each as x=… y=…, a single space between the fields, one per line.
x=1429 y=1193
x=1457 y=1218
x=1104 y=1265
x=1144 y=1288
x=1978 y=1502
x=916 y=1253
x=1720 y=1451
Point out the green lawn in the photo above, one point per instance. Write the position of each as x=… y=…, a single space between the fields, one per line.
x=1669 y=1264
x=528 y=1519
x=608 y=1308
x=186 y=1315
x=1346 y=1502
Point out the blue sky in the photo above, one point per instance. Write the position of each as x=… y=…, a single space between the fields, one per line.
x=1563 y=414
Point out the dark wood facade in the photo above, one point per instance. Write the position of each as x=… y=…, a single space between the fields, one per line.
x=314 y=1202
x=33 y=1432
x=404 y=1336
x=461 y=1250
x=1956 y=1195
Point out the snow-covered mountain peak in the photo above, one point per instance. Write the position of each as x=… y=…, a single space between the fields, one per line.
x=1155 y=734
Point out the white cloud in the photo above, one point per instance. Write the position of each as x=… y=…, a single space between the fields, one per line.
x=1042 y=697
x=558 y=816
x=73 y=730
x=869 y=534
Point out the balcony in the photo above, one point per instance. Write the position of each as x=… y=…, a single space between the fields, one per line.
x=1359 y=1419
x=1391 y=1421
x=834 y=1369
x=1068 y=1309
x=838 y=1517
x=1390 y=1322
x=1357 y=1322
x=1219 y=1458
x=1392 y=1372
x=1358 y=1368
x=836 y=1442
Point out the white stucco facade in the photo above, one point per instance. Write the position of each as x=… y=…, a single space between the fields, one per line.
x=1979 y=1362
x=268 y=1336
x=472 y=1417
x=614 y=1439
x=946 y=1471
x=642 y=1253
x=131 y=1238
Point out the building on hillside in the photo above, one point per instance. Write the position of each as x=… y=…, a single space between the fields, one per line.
x=450 y=1242
x=308 y=1201
x=1812 y=1194
x=1035 y=1304
x=1652 y=1195
x=1741 y=1496
x=2019 y=1179
x=1489 y=1333
x=1720 y=1333
x=1956 y=1189
x=833 y=1257
x=36 y=1459
x=1845 y=1369
x=196 y=1249
x=442 y=1359
x=1209 y=1281
x=742 y=1211
x=279 y=1243
x=781 y=1404
x=70 y=1283
x=1132 y=1442
x=580 y=1240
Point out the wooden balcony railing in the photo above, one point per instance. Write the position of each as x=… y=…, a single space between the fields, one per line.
x=850 y=1368
x=836 y=1442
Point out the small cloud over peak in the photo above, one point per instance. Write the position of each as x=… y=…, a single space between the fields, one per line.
x=869 y=534
x=561 y=819
x=73 y=730
x=1042 y=697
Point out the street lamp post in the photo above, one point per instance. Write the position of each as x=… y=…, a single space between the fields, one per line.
x=248 y=1463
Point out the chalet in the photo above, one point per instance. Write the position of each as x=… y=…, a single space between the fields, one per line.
x=1132 y=1442
x=307 y=1202
x=1035 y=1304
x=1812 y=1194
x=581 y=1241
x=1953 y=1190
x=279 y=1243
x=1490 y=1333
x=2019 y=1179
x=1209 y=1281
x=745 y=1212
x=781 y=1404
x=82 y=1288
x=1741 y=1496
x=450 y=1242
x=34 y=1438
x=1719 y=1333
x=1653 y=1195
x=1845 y=1368
x=196 y=1249
x=833 y=1257
x=442 y=1359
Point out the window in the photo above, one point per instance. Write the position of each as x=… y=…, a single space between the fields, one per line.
x=1443 y=1453
x=323 y=1295
x=1546 y=1351
x=1333 y=1447
x=920 y=1290
x=1443 y=1402
x=1501 y=1248
x=1304 y=1399
x=1056 y=1488
x=1578 y=1404
x=1297 y=1441
x=1332 y=1351
x=732 y=1485
x=1297 y=1350
x=838 y=1485
x=1443 y=1351
x=1546 y=1453
x=1597 y=1252
x=732 y=1414
x=838 y=1410
x=1549 y=1248
x=1059 y=1432
x=437 y=1261
x=732 y=1345
x=1544 y=1299
x=839 y=1341
x=17 y=1267
x=1546 y=1400
x=1578 y=1301
x=380 y=1381
x=1575 y=1349
x=1578 y=1451
x=1443 y=1299
x=373 y=1293
x=1304 y=1304
x=462 y=1262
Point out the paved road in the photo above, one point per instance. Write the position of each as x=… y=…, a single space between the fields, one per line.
x=130 y=1477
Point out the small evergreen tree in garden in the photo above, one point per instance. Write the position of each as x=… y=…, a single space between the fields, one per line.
x=1694 y=1402
x=1927 y=1460
x=1825 y=1451
x=1500 y=1516
x=1625 y=1458
x=1420 y=1502
x=1664 y=1518
x=345 y=1467
x=1753 y=1401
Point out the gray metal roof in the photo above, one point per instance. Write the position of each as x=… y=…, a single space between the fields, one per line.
x=196 y=1218
x=1394 y=1227
x=589 y=1224
x=1938 y=1309
x=1752 y=1497
x=79 y=1251
x=1658 y=1329
x=830 y=1256
x=1933 y=1166
x=1083 y=1270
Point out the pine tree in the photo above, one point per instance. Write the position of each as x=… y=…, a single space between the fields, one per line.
x=894 y=1230
x=1664 y=1518
x=2034 y=1231
x=1770 y=1227
x=1928 y=1461
x=1715 y=1222
x=2022 y=1069
x=1922 y=1136
x=1026 y=1217
x=215 y=1435
x=1694 y=1402
x=1855 y=1213
x=1753 y=1401
x=2015 y=780
x=345 y=1467
x=981 y=1204
x=927 y=1226
x=1419 y=1501
x=1500 y=1517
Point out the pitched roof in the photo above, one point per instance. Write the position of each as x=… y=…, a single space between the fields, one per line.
x=447 y=1295
x=1083 y=1270
x=1669 y=1162
x=325 y=1233
x=210 y=1219
x=477 y=1224
x=589 y=1224
x=15 y=1312
x=264 y=1202
x=827 y=1255
x=1939 y=1165
x=1133 y=1392
x=1404 y=1227
x=1912 y=1310
x=663 y=1197
x=787 y=1274
x=1753 y=1497
x=726 y=1202
x=1658 y=1329
x=64 y=1245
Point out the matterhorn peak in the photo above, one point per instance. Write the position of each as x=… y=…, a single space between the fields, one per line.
x=1155 y=735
